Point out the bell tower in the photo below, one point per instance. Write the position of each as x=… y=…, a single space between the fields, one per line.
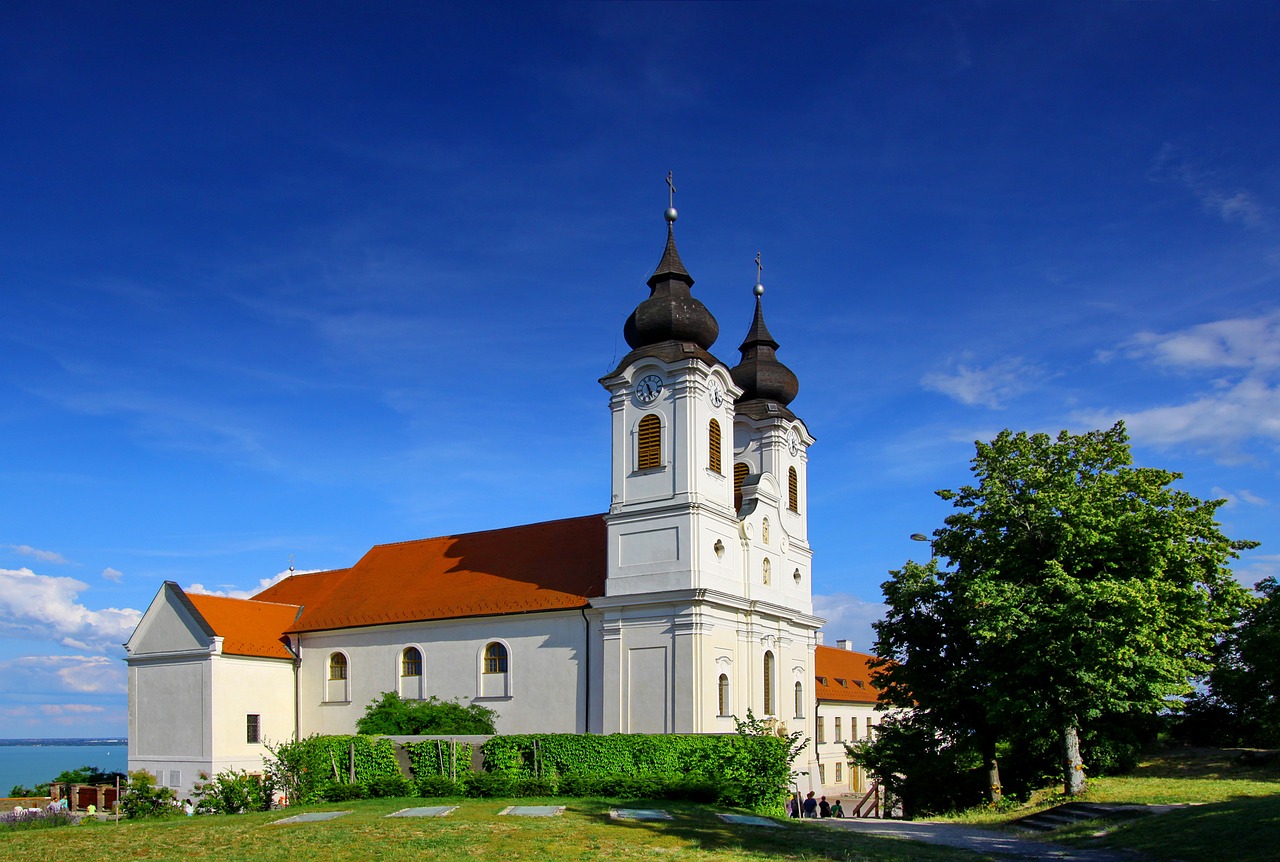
x=671 y=518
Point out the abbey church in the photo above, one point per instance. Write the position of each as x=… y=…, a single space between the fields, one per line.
x=685 y=604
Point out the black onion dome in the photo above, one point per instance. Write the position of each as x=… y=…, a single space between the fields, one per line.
x=760 y=375
x=670 y=313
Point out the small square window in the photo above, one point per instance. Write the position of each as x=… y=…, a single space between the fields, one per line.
x=253 y=728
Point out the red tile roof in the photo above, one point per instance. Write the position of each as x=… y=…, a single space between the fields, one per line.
x=536 y=567
x=832 y=665
x=247 y=627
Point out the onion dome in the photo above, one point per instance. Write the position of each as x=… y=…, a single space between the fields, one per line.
x=670 y=313
x=760 y=375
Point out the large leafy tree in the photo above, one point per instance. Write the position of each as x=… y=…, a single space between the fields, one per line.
x=1078 y=587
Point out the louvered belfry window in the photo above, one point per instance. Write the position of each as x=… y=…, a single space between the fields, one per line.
x=740 y=473
x=713 y=439
x=649 y=446
x=768 y=683
x=793 y=490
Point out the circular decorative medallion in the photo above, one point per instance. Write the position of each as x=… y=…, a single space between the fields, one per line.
x=648 y=389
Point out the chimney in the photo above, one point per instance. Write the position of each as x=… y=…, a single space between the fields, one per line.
x=845 y=645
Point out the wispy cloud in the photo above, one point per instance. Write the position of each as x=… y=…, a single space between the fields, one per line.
x=42 y=607
x=848 y=618
x=84 y=674
x=112 y=574
x=253 y=591
x=1239 y=362
x=1232 y=205
x=991 y=386
x=1234 y=499
x=37 y=553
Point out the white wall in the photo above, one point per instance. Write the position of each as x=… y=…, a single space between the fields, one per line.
x=546 y=665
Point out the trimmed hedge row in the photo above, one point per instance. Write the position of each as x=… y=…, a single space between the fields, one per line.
x=749 y=771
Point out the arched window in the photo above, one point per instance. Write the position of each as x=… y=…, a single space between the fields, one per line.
x=337 y=666
x=793 y=490
x=764 y=531
x=495 y=658
x=335 y=690
x=723 y=694
x=713 y=444
x=740 y=473
x=411 y=673
x=495 y=676
x=768 y=683
x=649 y=443
x=767 y=570
x=800 y=701
x=411 y=662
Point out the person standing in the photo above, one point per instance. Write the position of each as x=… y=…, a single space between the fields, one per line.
x=810 y=806
x=824 y=808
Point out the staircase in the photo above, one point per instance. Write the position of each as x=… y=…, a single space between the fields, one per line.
x=1071 y=813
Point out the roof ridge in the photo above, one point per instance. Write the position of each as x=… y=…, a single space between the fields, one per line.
x=239 y=599
x=483 y=532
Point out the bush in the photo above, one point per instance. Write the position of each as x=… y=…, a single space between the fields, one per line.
x=145 y=799
x=390 y=785
x=233 y=791
x=306 y=766
x=487 y=784
x=336 y=791
x=49 y=817
x=392 y=715
x=432 y=786
x=544 y=786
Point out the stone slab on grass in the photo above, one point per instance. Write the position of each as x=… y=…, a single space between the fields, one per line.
x=533 y=810
x=311 y=817
x=639 y=814
x=427 y=811
x=749 y=820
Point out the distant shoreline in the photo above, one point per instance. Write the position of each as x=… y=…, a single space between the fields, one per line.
x=65 y=741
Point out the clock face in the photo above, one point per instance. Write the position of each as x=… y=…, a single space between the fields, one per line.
x=648 y=389
x=717 y=394
x=795 y=444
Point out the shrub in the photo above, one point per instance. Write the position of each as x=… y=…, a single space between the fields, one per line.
x=437 y=785
x=336 y=791
x=145 y=799
x=392 y=715
x=49 y=817
x=303 y=768
x=547 y=785
x=486 y=784
x=390 y=785
x=233 y=791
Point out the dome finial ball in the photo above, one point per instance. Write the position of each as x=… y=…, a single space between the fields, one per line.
x=758 y=290
x=670 y=214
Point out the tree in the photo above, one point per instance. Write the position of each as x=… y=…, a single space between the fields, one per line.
x=1242 y=705
x=393 y=715
x=1078 y=587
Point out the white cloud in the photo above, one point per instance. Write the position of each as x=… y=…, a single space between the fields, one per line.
x=263 y=583
x=112 y=574
x=42 y=556
x=1239 y=362
x=1234 y=499
x=848 y=618
x=45 y=608
x=86 y=674
x=991 y=386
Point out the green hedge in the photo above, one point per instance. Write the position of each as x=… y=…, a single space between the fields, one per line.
x=749 y=771
x=432 y=757
x=307 y=767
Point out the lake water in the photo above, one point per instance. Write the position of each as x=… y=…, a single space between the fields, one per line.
x=32 y=764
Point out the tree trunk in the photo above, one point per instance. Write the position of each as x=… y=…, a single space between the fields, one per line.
x=994 y=790
x=1072 y=764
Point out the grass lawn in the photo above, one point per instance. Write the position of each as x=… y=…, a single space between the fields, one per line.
x=1232 y=813
x=474 y=831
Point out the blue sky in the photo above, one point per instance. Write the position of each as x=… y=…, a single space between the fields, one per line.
x=284 y=284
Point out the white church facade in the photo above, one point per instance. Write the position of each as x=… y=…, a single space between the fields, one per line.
x=685 y=604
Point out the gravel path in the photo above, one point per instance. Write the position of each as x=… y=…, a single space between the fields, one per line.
x=977 y=839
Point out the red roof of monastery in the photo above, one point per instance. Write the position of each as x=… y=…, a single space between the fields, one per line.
x=554 y=565
x=247 y=627
x=843 y=675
